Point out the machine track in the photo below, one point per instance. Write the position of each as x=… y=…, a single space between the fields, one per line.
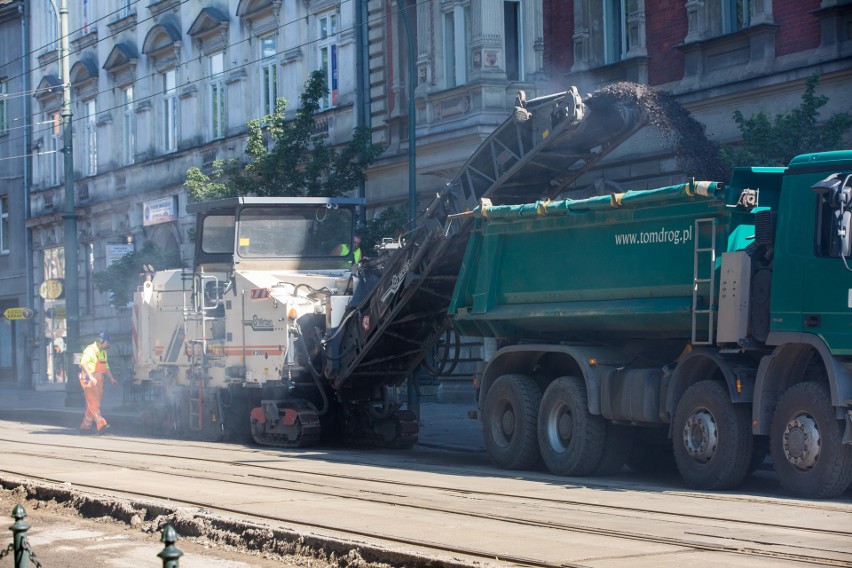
x=285 y=424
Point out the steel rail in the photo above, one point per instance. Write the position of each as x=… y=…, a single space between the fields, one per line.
x=381 y=498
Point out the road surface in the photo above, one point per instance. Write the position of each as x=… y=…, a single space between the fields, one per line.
x=424 y=506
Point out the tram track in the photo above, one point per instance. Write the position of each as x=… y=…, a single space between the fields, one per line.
x=819 y=506
x=253 y=476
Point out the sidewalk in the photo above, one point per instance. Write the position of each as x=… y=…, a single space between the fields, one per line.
x=442 y=425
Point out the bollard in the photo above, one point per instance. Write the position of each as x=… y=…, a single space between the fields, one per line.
x=170 y=554
x=19 y=537
x=21 y=548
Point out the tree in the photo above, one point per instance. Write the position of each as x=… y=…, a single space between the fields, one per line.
x=122 y=278
x=287 y=158
x=775 y=143
x=389 y=223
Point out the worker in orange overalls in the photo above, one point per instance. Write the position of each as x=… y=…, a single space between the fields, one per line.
x=94 y=370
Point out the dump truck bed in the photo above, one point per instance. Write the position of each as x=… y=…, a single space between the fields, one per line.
x=625 y=264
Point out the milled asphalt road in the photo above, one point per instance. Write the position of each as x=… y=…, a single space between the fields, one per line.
x=442 y=425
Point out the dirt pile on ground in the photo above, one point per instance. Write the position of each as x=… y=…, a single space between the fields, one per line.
x=698 y=156
x=201 y=533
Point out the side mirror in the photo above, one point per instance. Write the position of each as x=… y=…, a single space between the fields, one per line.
x=838 y=191
x=841 y=242
x=826 y=185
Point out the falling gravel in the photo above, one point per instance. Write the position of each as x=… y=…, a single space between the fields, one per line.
x=697 y=155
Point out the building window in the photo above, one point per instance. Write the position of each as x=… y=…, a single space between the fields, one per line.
x=54 y=153
x=457 y=39
x=85 y=15
x=89 y=249
x=406 y=45
x=268 y=75
x=170 y=110
x=735 y=15
x=615 y=30
x=327 y=45
x=217 y=95
x=4 y=108
x=90 y=142
x=51 y=29
x=4 y=225
x=124 y=8
x=129 y=126
x=512 y=32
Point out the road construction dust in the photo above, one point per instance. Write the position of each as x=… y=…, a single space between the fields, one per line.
x=697 y=155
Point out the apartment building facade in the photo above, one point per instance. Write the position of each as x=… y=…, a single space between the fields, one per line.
x=15 y=320
x=159 y=86
x=715 y=56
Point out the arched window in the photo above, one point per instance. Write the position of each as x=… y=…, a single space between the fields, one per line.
x=162 y=45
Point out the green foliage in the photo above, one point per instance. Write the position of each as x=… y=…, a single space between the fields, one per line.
x=287 y=157
x=122 y=278
x=775 y=143
x=391 y=222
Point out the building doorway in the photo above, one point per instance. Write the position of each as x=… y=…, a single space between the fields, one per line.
x=8 y=346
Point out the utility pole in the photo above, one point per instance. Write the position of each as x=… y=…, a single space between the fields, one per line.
x=412 y=119
x=413 y=395
x=73 y=390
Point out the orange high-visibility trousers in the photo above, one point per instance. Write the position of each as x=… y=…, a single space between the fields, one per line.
x=94 y=393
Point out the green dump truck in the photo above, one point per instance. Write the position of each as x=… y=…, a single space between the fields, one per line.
x=717 y=317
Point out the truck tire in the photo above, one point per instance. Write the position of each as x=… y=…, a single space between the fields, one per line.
x=509 y=422
x=570 y=438
x=712 y=438
x=806 y=444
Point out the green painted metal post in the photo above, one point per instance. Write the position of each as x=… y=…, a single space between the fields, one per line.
x=19 y=537
x=170 y=554
x=413 y=398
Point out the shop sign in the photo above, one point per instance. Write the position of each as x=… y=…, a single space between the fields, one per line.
x=159 y=211
x=18 y=313
x=115 y=252
x=52 y=289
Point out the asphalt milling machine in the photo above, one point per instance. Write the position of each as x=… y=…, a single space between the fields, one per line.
x=276 y=338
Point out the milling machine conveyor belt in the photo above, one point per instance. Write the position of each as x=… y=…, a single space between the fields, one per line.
x=543 y=147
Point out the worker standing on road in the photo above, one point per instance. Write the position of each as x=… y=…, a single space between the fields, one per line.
x=94 y=369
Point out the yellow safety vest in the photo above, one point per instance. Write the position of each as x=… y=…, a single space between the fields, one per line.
x=344 y=250
x=94 y=359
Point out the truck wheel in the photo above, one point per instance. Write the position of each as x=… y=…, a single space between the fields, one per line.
x=806 y=443
x=509 y=422
x=571 y=439
x=712 y=438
